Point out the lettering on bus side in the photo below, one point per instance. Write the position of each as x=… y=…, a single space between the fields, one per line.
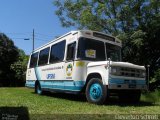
x=50 y=76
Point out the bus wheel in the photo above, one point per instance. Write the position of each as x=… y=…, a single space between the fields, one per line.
x=96 y=92
x=38 y=89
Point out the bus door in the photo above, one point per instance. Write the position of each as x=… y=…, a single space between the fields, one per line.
x=69 y=64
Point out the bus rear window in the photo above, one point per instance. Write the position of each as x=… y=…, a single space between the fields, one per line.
x=33 y=61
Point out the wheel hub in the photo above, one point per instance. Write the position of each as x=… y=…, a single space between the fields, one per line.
x=95 y=91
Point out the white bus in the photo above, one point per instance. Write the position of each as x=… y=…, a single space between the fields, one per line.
x=87 y=62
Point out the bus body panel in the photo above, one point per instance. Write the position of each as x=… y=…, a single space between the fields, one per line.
x=101 y=68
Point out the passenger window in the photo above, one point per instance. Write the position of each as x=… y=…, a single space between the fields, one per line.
x=43 y=57
x=33 y=61
x=71 y=51
x=57 y=52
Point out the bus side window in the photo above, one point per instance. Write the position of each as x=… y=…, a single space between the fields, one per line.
x=43 y=56
x=57 y=52
x=71 y=51
x=33 y=61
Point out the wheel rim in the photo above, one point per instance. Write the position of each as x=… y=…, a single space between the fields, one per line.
x=95 y=91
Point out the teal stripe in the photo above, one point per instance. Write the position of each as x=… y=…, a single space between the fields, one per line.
x=63 y=85
x=30 y=83
x=123 y=81
x=38 y=76
x=58 y=84
x=71 y=88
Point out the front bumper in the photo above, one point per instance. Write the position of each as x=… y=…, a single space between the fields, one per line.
x=125 y=84
x=126 y=87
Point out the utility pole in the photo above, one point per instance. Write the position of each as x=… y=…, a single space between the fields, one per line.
x=33 y=39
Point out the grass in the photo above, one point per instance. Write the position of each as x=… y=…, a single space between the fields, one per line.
x=24 y=101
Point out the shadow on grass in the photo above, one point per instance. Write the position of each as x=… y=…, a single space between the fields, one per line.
x=67 y=96
x=110 y=102
x=115 y=101
x=14 y=113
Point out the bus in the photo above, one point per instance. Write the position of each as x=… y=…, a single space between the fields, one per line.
x=87 y=62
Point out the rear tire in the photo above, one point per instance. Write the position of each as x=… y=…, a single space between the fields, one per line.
x=96 y=92
x=38 y=89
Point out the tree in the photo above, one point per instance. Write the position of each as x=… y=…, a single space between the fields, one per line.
x=19 y=67
x=8 y=55
x=13 y=63
x=135 y=22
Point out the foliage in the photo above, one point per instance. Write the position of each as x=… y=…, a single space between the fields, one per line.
x=13 y=63
x=155 y=81
x=8 y=55
x=20 y=67
x=135 y=22
x=111 y=16
x=157 y=75
x=152 y=97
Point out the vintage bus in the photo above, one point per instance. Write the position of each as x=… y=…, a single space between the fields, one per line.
x=87 y=62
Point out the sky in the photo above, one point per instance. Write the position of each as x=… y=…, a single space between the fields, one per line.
x=18 y=18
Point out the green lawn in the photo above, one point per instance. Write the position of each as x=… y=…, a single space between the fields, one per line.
x=25 y=101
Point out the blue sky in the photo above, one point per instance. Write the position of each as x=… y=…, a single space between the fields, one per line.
x=18 y=18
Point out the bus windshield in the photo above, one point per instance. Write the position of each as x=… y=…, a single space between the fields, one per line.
x=89 y=49
x=94 y=50
x=113 y=52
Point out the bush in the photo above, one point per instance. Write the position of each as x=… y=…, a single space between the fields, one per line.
x=152 y=97
x=155 y=81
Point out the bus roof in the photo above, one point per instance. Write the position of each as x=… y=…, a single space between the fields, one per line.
x=86 y=32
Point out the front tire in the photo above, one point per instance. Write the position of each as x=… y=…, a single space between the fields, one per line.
x=96 y=92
